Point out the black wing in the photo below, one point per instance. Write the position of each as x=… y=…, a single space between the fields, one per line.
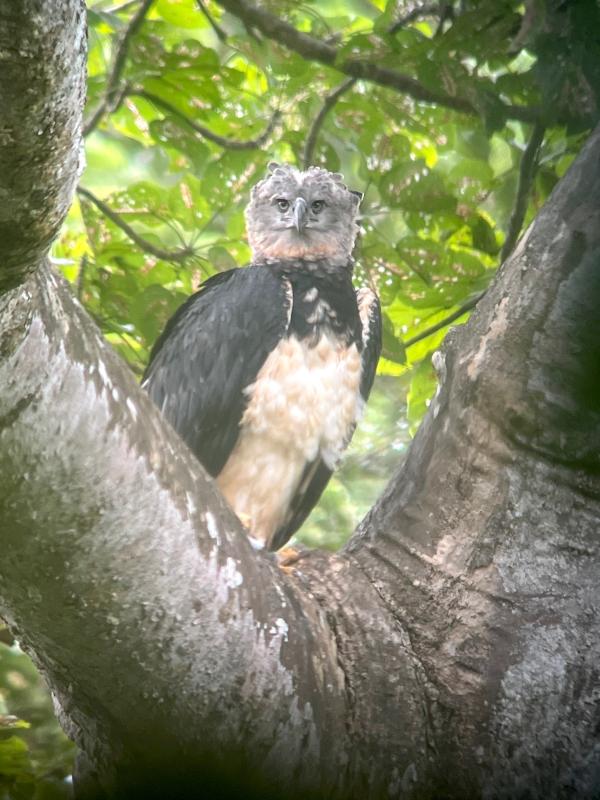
x=317 y=474
x=210 y=350
x=314 y=480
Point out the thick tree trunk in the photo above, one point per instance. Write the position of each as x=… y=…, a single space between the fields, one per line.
x=485 y=545
x=42 y=86
x=449 y=650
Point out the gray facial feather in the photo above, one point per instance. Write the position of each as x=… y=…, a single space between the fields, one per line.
x=329 y=233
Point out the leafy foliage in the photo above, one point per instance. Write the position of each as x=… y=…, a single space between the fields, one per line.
x=35 y=757
x=187 y=104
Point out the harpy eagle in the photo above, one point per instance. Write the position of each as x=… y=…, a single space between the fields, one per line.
x=264 y=372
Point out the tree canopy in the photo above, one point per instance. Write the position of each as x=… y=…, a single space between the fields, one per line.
x=456 y=120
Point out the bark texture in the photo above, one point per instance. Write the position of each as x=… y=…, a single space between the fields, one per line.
x=449 y=651
x=165 y=638
x=42 y=86
x=485 y=545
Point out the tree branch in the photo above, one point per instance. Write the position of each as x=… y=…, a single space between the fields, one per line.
x=153 y=618
x=466 y=306
x=328 y=104
x=526 y=176
x=427 y=10
x=113 y=94
x=41 y=97
x=179 y=255
x=313 y=49
x=486 y=541
x=81 y=275
x=209 y=18
x=222 y=141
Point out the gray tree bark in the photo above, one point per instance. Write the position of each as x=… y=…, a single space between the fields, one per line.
x=449 y=651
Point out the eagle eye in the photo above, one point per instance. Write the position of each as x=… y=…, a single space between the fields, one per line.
x=317 y=206
x=283 y=204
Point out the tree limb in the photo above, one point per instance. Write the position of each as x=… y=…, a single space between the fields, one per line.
x=466 y=306
x=328 y=104
x=479 y=523
x=113 y=94
x=41 y=96
x=179 y=255
x=221 y=35
x=81 y=276
x=313 y=49
x=222 y=141
x=427 y=10
x=152 y=617
x=526 y=176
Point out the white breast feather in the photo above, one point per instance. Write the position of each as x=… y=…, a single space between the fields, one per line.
x=304 y=403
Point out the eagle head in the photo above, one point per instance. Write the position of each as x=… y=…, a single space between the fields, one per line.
x=309 y=215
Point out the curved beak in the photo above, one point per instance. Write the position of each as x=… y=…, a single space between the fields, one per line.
x=300 y=213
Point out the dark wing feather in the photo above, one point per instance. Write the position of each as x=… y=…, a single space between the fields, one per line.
x=314 y=480
x=317 y=474
x=210 y=351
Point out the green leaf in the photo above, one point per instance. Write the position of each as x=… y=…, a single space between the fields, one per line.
x=422 y=388
x=221 y=258
x=182 y=13
x=393 y=348
x=14 y=759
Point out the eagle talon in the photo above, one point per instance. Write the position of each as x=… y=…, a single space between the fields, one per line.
x=288 y=556
x=245 y=519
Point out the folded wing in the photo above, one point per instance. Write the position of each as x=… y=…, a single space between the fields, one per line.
x=210 y=351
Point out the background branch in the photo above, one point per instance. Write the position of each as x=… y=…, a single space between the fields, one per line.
x=178 y=255
x=427 y=10
x=222 y=141
x=526 y=175
x=329 y=103
x=467 y=306
x=113 y=94
x=216 y=28
x=313 y=49
x=79 y=285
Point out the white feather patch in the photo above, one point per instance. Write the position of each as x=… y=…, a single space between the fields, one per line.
x=304 y=404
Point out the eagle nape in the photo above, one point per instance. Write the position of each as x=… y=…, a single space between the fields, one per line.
x=264 y=372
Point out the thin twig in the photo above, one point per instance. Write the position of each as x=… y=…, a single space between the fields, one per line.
x=526 y=175
x=446 y=321
x=179 y=255
x=81 y=276
x=222 y=141
x=315 y=129
x=428 y=10
x=446 y=13
x=313 y=49
x=113 y=94
x=216 y=28
x=101 y=109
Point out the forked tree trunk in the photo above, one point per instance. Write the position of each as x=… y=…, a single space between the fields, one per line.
x=450 y=650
